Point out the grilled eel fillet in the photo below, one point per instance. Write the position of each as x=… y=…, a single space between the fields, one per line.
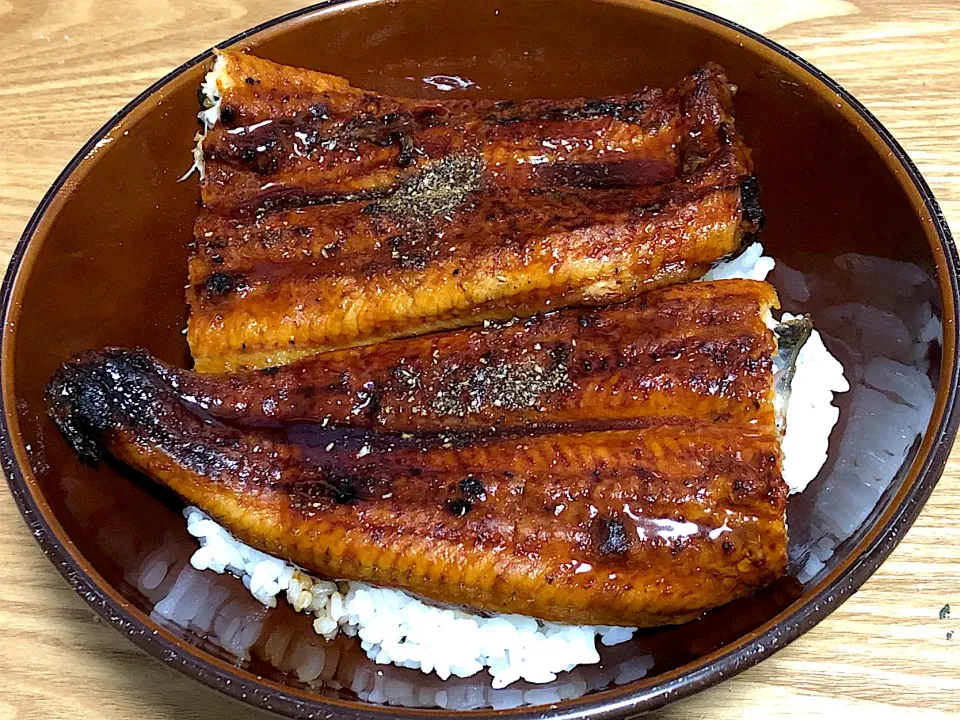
x=328 y=254
x=679 y=352
x=660 y=500
x=312 y=138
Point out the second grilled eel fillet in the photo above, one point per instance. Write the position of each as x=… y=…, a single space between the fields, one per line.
x=695 y=352
x=640 y=526
x=282 y=136
x=447 y=241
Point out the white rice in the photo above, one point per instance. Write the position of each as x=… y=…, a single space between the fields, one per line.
x=397 y=628
x=394 y=627
x=751 y=264
x=891 y=397
x=810 y=415
x=214 y=84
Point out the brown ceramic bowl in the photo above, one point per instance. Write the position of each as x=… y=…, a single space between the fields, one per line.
x=861 y=244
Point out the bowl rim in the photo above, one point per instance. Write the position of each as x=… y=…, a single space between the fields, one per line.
x=708 y=670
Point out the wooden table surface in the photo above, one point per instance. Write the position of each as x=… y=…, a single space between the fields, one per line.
x=68 y=66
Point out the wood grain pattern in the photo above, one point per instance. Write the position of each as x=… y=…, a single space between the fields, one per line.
x=69 y=66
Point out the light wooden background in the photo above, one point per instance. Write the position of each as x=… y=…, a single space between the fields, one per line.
x=67 y=65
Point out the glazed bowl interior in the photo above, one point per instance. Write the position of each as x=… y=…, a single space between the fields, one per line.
x=859 y=246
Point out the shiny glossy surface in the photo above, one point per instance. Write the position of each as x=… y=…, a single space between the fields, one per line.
x=336 y=217
x=688 y=353
x=290 y=137
x=661 y=500
x=863 y=250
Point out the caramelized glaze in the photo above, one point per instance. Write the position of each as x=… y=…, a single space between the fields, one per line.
x=690 y=352
x=312 y=137
x=585 y=506
x=397 y=221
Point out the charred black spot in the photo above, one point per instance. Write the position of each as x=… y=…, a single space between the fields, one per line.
x=723 y=134
x=216 y=243
x=260 y=160
x=560 y=353
x=408 y=150
x=347 y=489
x=750 y=200
x=343 y=492
x=318 y=111
x=251 y=81
x=585 y=321
x=312 y=491
x=88 y=418
x=95 y=392
x=271 y=370
x=472 y=487
x=600 y=107
x=413 y=261
x=220 y=283
x=384 y=131
x=216 y=260
x=459 y=507
x=611 y=536
x=228 y=113
x=384 y=139
x=631 y=112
